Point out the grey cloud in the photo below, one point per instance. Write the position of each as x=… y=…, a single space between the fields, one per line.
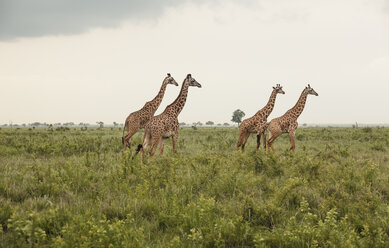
x=31 y=18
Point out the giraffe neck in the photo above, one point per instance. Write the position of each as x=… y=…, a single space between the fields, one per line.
x=158 y=98
x=265 y=111
x=299 y=107
x=178 y=104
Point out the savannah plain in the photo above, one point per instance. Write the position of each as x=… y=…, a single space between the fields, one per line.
x=76 y=188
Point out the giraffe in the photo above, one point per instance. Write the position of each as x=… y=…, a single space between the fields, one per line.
x=256 y=124
x=138 y=119
x=166 y=124
x=288 y=122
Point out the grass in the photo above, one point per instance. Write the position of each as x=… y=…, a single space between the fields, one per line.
x=73 y=188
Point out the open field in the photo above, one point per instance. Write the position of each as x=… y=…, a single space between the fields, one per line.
x=73 y=188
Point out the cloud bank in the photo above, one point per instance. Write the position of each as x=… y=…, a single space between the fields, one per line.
x=26 y=18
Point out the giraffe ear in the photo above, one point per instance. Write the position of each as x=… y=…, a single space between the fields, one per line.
x=274 y=87
x=168 y=74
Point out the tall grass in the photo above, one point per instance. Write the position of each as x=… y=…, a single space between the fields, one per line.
x=73 y=188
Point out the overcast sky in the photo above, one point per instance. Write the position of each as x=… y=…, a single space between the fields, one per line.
x=95 y=60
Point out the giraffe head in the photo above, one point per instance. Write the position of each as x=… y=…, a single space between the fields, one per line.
x=191 y=81
x=278 y=89
x=170 y=80
x=310 y=91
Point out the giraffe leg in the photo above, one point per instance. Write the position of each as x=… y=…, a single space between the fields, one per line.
x=243 y=139
x=240 y=139
x=128 y=138
x=242 y=135
x=143 y=149
x=174 y=141
x=125 y=129
x=291 y=136
x=154 y=145
x=274 y=133
x=127 y=142
x=124 y=143
x=261 y=132
x=264 y=139
x=292 y=130
x=145 y=143
x=162 y=146
x=261 y=128
x=270 y=143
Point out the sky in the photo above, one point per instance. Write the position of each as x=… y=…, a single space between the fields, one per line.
x=96 y=60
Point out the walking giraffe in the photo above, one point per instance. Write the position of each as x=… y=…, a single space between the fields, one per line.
x=257 y=123
x=288 y=122
x=138 y=119
x=166 y=124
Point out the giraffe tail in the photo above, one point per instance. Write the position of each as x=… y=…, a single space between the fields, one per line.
x=146 y=140
x=137 y=150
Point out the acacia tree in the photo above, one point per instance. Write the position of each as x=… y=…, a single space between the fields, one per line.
x=237 y=116
x=100 y=123
x=209 y=123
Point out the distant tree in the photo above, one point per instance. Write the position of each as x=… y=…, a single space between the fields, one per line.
x=197 y=123
x=219 y=124
x=182 y=124
x=209 y=123
x=237 y=116
x=100 y=123
x=115 y=124
x=305 y=124
x=226 y=124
